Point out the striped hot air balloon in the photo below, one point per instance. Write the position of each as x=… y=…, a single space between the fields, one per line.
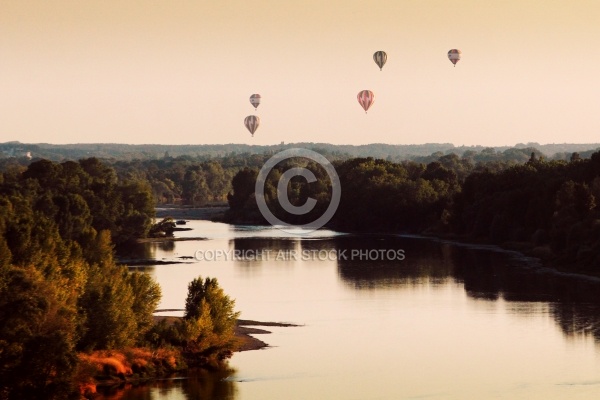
x=454 y=56
x=380 y=58
x=366 y=98
x=252 y=122
x=255 y=100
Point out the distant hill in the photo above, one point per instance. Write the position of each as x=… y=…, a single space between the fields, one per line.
x=59 y=152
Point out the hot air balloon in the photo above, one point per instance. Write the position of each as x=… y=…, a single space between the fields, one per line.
x=366 y=98
x=255 y=100
x=252 y=122
x=454 y=56
x=380 y=58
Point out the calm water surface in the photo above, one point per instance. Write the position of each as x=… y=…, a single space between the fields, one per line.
x=447 y=322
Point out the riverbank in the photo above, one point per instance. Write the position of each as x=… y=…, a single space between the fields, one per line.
x=114 y=368
x=539 y=257
x=151 y=261
x=198 y=213
x=244 y=330
x=169 y=239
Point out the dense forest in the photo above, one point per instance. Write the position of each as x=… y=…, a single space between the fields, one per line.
x=68 y=312
x=204 y=180
x=545 y=208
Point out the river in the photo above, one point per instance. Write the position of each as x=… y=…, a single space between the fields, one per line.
x=384 y=317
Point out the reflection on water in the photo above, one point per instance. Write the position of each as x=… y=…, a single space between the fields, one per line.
x=166 y=246
x=201 y=385
x=254 y=252
x=136 y=251
x=577 y=320
x=573 y=302
x=259 y=245
x=444 y=321
x=425 y=262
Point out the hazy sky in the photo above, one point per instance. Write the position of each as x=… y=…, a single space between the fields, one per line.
x=181 y=71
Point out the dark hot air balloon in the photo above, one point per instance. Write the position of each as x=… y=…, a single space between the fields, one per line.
x=454 y=56
x=255 y=100
x=380 y=58
x=366 y=98
x=252 y=122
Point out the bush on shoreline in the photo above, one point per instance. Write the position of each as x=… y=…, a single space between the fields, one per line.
x=114 y=367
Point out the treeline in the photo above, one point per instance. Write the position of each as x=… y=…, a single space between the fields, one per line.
x=376 y=195
x=550 y=208
x=187 y=181
x=554 y=207
x=198 y=181
x=129 y=152
x=68 y=312
x=81 y=196
x=206 y=180
x=183 y=180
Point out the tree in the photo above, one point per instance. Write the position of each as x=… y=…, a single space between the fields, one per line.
x=209 y=319
x=37 y=335
x=147 y=295
x=243 y=187
x=106 y=305
x=195 y=187
x=221 y=306
x=138 y=210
